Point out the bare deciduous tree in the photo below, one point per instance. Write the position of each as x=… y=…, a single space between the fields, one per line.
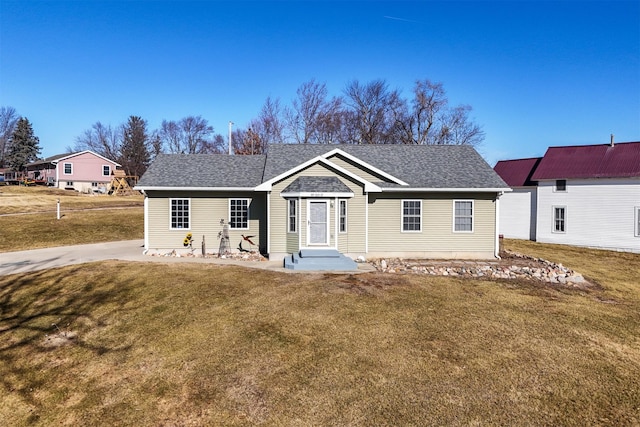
x=101 y=139
x=457 y=129
x=372 y=105
x=314 y=119
x=248 y=142
x=190 y=135
x=415 y=125
x=8 y=120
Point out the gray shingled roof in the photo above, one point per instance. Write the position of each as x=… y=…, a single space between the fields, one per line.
x=317 y=184
x=204 y=170
x=52 y=158
x=420 y=166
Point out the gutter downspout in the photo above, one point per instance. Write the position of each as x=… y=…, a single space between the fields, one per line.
x=366 y=223
x=497 y=232
x=146 y=222
x=268 y=222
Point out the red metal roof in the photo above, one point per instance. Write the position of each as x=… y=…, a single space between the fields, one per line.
x=517 y=173
x=621 y=160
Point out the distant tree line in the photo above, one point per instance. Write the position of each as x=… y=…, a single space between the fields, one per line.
x=365 y=113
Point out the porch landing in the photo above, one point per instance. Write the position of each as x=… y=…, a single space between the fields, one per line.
x=319 y=260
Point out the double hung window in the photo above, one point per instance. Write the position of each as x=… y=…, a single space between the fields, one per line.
x=559 y=219
x=239 y=214
x=292 y=221
x=412 y=215
x=463 y=216
x=180 y=213
x=342 y=205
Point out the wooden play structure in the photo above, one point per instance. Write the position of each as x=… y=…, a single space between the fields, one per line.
x=122 y=184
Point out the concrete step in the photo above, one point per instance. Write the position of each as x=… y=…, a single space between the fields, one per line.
x=311 y=260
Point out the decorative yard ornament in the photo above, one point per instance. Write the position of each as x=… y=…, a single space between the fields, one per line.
x=188 y=241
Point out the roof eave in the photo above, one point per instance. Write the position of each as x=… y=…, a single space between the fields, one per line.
x=159 y=188
x=447 y=190
x=317 y=194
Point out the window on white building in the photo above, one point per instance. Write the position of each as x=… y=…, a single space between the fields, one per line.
x=559 y=219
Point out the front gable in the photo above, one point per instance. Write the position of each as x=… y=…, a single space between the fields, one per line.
x=320 y=160
x=363 y=168
x=342 y=163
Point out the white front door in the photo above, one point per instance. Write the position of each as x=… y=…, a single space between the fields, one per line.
x=318 y=223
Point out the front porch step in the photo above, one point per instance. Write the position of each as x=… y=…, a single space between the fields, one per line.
x=319 y=260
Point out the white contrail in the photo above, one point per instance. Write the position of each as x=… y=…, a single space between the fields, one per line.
x=399 y=19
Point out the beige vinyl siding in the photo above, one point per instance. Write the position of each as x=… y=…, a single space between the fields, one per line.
x=292 y=239
x=206 y=211
x=437 y=235
x=351 y=242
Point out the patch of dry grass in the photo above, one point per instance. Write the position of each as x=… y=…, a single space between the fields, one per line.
x=23 y=232
x=154 y=344
x=619 y=272
x=17 y=199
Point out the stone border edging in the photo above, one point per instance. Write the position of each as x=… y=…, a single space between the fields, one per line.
x=541 y=270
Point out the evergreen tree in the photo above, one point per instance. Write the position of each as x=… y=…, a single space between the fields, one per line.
x=24 y=146
x=135 y=156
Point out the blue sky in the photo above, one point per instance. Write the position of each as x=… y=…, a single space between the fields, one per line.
x=537 y=74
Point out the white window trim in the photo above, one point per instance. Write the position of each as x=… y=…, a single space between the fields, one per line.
x=402 y=230
x=248 y=214
x=296 y=215
x=346 y=216
x=553 y=219
x=473 y=219
x=171 y=212
x=64 y=168
x=106 y=166
x=636 y=216
x=327 y=243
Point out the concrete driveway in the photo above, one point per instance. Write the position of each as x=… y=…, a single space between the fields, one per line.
x=128 y=250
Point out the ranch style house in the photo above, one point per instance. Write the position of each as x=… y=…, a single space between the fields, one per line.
x=361 y=201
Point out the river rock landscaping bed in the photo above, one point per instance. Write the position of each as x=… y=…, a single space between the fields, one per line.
x=237 y=256
x=512 y=265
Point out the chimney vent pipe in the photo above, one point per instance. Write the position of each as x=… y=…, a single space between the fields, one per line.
x=611 y=143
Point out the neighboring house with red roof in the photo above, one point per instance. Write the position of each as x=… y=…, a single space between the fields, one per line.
x=84 y=171
x=588 y=195
x=518 y=209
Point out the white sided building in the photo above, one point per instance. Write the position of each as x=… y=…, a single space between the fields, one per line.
x=587 y=195
x=518 y=208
